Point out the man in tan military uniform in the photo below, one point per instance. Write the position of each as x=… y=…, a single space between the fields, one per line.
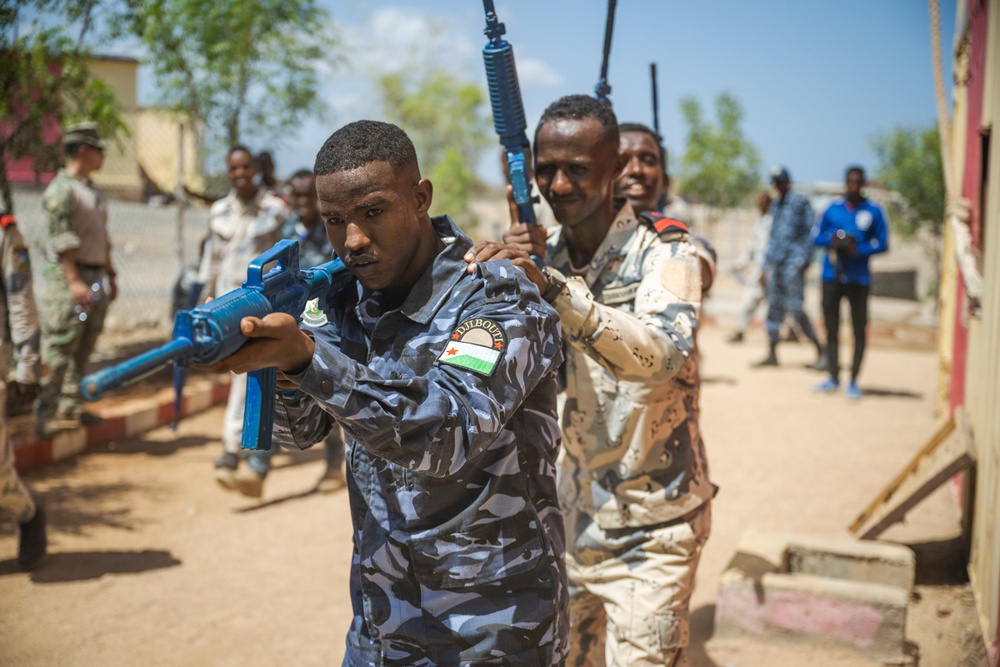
x=241 y=226
x=18 y=335
x=79 y=279
x=633 y=477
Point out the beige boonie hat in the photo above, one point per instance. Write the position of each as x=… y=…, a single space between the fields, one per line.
x=83 y=133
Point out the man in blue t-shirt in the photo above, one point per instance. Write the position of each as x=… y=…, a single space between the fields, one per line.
x=853 y=229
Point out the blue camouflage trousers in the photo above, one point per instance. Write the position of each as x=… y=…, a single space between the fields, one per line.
x=785 y=288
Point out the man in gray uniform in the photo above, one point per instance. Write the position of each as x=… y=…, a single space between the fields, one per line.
x=788 y=255
x=633 y=481
x=18 y=335
x=79 y=280
x=445 y=385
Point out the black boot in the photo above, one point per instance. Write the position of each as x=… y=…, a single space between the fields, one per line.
x=772 y=357
x=821 y=359
x=33 y=542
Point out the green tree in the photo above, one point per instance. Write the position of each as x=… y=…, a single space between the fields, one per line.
x=445 y=118
x=909 y=162
x=719 y=166
x=235 y=69
x=45 y=84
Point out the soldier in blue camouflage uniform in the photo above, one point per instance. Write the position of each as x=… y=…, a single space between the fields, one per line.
x=79 y=279
x=633 y=479
x=788 y=255
x=445 y=385
x=306 y=226
x=18 y=335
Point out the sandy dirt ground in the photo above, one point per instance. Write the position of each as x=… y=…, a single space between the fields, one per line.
x=151 y=563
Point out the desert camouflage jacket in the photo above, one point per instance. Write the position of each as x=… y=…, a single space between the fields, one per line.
x=633 y=454
x=237 y=233
x=448 y=405
x=18 y=313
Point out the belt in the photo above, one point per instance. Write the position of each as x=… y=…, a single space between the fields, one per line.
x=92 y=267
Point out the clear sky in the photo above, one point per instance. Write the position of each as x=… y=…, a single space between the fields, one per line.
x=816 y=79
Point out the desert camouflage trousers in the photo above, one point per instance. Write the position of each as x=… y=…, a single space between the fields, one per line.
x=630 y=590
x=15 y=501
x=68 y=342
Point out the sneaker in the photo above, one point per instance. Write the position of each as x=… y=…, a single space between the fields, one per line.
x=332 y=480
x=34 y=541
x=225 y=470
x=736 y=337
x=826 y=386
x=852 y=391
x=249 y=482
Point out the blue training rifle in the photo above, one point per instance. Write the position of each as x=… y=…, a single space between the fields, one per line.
x=603 y=88
x=508 y=112
x=211 y=332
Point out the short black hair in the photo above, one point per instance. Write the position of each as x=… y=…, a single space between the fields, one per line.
x=70 y=150
x=240 y=148
x=301 y=173
x=578 y=107
x=363 y=142
x=855 y=169
x=639 y=127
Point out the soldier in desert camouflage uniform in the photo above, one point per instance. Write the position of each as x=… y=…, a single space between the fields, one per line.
x=633 y=479
x=18 y=334
x=445 y=385
x=80 y=280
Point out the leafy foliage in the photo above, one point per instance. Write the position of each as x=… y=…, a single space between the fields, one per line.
x=909 y=162
x=45 y=84
x=444 y=118
x=719 y=166
x=235 y=69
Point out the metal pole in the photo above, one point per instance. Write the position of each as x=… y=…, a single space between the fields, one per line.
x=180 y=197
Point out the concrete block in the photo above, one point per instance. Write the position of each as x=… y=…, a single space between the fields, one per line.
x=852 y=560
x=833 y=590
x=864 y=616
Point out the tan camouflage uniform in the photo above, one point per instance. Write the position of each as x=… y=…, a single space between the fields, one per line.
x=18 y=335
x=77 y=217
x=633 y=478
x=237 y=233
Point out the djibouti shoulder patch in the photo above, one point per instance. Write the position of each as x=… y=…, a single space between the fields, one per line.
x=476 y=345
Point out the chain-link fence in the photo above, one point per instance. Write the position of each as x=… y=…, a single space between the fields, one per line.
x=150 y=245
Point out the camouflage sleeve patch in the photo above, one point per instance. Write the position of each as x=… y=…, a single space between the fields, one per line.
x=680 y=278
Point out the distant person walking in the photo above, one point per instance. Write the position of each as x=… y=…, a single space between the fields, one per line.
x=788 y=255
x=79 y=280
x=751 y=266
x=853 y=229
x=241 y=226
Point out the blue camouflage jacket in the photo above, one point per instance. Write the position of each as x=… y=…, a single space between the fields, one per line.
x=448 y=405
x=791 y=241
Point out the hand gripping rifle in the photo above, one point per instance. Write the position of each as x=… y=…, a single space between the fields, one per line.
x=508 y=112
x=603 y=88
x=211 y=332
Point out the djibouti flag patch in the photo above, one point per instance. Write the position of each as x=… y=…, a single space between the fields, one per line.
x=476 y=345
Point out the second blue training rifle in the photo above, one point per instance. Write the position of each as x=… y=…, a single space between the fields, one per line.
x=211 y=332
x=603 y=88
x=508 y=112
